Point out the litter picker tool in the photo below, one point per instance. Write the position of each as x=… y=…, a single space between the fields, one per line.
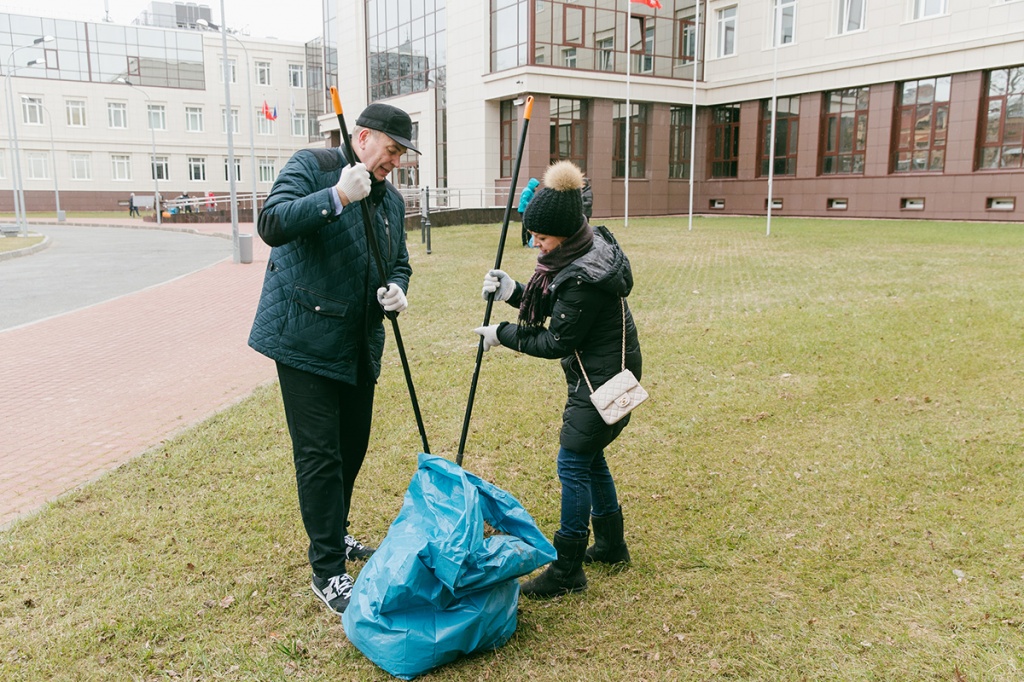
x=372 y=240
x=527 y=110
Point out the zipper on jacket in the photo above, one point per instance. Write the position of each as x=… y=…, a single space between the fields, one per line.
x=387 y=233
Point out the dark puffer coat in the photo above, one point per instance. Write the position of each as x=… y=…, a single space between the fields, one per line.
x=318 y=311
x=585 y=316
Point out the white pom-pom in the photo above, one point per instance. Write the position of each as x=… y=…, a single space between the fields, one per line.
x=563 y=176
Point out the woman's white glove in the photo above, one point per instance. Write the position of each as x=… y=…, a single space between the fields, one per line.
x=354 y=183
x=489 y=334
x=498 y=283
x=392 y=298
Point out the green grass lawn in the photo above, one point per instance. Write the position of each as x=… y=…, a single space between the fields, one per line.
x=826 y=483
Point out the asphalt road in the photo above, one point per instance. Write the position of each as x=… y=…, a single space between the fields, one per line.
x=86 y=265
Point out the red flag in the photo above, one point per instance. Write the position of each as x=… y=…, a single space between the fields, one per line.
x=656 y=4
x=270 y=115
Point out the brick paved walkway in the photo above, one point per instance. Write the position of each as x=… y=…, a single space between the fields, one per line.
x=83 y=392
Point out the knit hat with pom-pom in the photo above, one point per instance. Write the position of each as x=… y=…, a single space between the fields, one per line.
x=557 y=208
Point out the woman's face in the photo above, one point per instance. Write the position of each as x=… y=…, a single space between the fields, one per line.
x=545 y=242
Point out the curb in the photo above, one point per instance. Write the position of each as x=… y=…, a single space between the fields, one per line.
x=27 y=251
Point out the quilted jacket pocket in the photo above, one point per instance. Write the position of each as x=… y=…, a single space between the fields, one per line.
x=318 y=325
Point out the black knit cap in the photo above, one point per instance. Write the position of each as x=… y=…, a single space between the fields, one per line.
x=557 y=208
x=389 y=120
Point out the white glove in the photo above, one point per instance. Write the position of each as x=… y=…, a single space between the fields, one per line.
x=490 y=334
x=392 y=298
x=354 y=183
x=498 y=283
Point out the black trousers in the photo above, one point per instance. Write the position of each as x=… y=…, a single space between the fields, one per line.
x=329 y=422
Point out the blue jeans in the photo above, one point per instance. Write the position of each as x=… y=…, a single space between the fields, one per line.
x=587 y=489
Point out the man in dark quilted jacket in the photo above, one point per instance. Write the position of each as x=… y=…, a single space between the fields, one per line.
x=320 y=318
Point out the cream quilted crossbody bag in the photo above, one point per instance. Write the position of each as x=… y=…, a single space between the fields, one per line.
x=618 y=396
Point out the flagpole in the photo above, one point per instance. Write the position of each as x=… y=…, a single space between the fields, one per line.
x=629 y=111
x=774 y=119
x=693 y=110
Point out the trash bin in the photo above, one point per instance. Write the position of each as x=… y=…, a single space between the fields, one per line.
x=245 y=247
x=61 y=216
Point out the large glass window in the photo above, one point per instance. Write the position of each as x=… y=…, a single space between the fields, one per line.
x=631 y=126
x=725 y=141
x=75 y=109
x=687 y=39
x=197 y=168
x=642 y=49
x=1002 y=143
x=851 y=16
x=922 y=121
x=194 y=119
x=679 y=136
x=726 y=31
x=406 y=46
x=509 y=33
x=81 y=165
x=508 y=137
x=845 y=131
x=120 y=167
x=787 y=120
x=117 y=115
x=568 y=131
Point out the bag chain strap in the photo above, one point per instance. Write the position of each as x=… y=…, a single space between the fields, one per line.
x=622 y=301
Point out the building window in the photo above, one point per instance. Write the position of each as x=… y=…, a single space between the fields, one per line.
x=297 y=75
x=266 y=169
x=160 y=168
x=569 y=57
x=787 y=121
x=726 y=31
x=75 y=109
x=687 y=39
x=508 y=137
x=299 y=123
x=408 y=172
x=922 y=121
x=784 y=22
x=232 y=73
x=568 y=131
x=81 y=166
x=32 y=110
x=851 y=16
x=262 y=73
x=117 y=115
x=264 y=125
x=845 y=131
x=224 y=121
x=725 y=141
x=238 y=170
x=197 y=168
x=194 y=119
x=606 y=54
x=120 y=167
x=924 y=9
x=1002 y=144
x=510 y=34
x=157 y=117
x=637 y=131
x=679 y=134
x=642 y=48
x=38 y=165
x=573 y=25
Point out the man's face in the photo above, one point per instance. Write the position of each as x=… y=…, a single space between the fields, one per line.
x=379 y=152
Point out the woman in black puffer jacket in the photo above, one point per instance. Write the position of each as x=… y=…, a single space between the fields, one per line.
x=580 y=285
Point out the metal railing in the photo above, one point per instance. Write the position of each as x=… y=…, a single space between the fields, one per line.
x=447 y=199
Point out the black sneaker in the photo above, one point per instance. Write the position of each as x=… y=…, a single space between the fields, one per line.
x=335 y=592
x=357 y=551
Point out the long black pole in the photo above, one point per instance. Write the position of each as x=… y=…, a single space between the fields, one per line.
x=527 y=111
x=372 y=239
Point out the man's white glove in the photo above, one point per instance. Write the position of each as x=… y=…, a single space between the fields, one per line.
x=354 y=183
x=392 y=298
x=490 y=335
x=498 y=283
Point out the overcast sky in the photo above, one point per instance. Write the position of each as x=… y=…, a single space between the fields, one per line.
x=262 y=18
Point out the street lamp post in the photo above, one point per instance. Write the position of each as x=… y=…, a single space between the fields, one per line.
x=20 y=215
x=248 y=93
x=152 y=159
x=53 y=158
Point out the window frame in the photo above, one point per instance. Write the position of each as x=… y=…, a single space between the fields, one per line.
x=80 y=166
x=907 y=141
x=679 y=134
x=993 y=142
x=725 y=31
x=262 y=73
x=636 y=120
x=194 y=119
x=75 y=113
x=117 y=112
x=575 y=123
x=724 y=142
x=196 y=168
x=788 y=123
x=833 y=162
x=121 y=167
x=845 y=9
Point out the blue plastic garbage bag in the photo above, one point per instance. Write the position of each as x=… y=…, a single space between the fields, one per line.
x=436 y=588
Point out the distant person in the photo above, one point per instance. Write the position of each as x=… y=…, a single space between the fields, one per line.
x=320 y=317
x=133 y=210
x=588 y=198
x=211 y=203
x=524 y=199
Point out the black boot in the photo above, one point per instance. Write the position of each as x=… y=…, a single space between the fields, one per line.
x=609 y=546
x=565 y=574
